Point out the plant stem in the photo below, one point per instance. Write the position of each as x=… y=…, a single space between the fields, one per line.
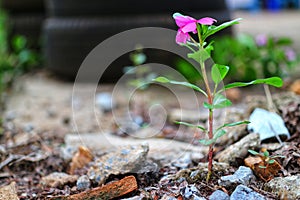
x=270 y=102
x=210 y=101
x=210 y=119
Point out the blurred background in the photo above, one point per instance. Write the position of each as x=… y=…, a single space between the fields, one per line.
x=58 y=34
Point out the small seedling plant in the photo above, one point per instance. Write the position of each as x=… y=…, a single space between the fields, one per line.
x=200 y=51
x=267 y=159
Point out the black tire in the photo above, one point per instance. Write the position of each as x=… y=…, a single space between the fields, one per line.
x=23 y=6
x=29 y=25
x=69 y=40
x=61 y=8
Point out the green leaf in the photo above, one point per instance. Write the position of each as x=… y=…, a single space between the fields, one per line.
x=208 y=106
x=219 y=134
x=271 y=161
x=199 y=56
x=266 y=154
x=207 y=142
x=274 y=81
x=218 y=72
x=213 y=29
x=209 y=48
x=234 y=124
x=262 y=167
x=191 y=125
x=277 y=156
x=253 y=152
x=220 y=101
x=162 y=79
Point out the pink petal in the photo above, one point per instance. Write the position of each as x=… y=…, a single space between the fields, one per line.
x=206 y=21
x=182 y=37
x=182 y=20
x=190 y=27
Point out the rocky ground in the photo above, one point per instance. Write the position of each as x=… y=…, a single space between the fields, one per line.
x=51 y=150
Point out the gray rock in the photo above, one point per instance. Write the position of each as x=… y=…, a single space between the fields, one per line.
x=219 y=195
x=239 y=149
x=242 y=176
x=83 y=183
x=184 y=161
x=288 y=185
x=243 y=192
x=28 y=127
x=189 y=191
x=10 y=115
x=67 y=152
x=166 y=197
x=104 y=101
x=147 y=167
x=123 y=160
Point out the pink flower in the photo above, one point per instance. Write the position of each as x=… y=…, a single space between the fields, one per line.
x=261 y=40
x=290 y=54
x=188 y=24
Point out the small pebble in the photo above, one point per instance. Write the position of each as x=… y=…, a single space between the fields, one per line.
x=219 y=195
x=83 y=183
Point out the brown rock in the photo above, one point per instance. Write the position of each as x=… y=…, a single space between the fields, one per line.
x=295 y=87
x=9 y=192
x=109 y=191
x=58 y=179
x=80 y=159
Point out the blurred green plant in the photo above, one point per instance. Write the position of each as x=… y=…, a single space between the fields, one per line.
x=255 y=57
x=15 y=57
x=142 y=72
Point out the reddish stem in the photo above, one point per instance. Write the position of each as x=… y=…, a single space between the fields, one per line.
x=210 y=136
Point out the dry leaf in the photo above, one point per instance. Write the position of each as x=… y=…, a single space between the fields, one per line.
x=80 y=159
x=260 y=167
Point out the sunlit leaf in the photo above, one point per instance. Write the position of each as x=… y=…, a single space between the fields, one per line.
x=274 y=81
x=213 y=29
x=219 y=134
x=221 y=102
x=191 y=125
x=207 y=142
x=199 y=56
x=263 y=167
x=234 y=124
x=266 y=154
x=218 y=72
x=271 y=161
x=162 y=79
x=208 y=106
x=253 y=152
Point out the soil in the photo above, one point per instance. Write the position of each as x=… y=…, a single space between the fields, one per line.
x=28 y=154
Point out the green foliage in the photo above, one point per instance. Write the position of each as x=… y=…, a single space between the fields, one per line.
x=266 y=157
x=251 y=58
x=162 y=79
x=218 y=72
x=15 y=57
x=142 y=73
x=188 y=71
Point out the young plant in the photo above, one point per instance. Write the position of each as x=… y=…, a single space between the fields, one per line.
x=200 y=52
x=265 y=156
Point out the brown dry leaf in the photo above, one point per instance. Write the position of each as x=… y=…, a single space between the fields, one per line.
x=266 y=173
x=80 y=159
x=295 y=87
